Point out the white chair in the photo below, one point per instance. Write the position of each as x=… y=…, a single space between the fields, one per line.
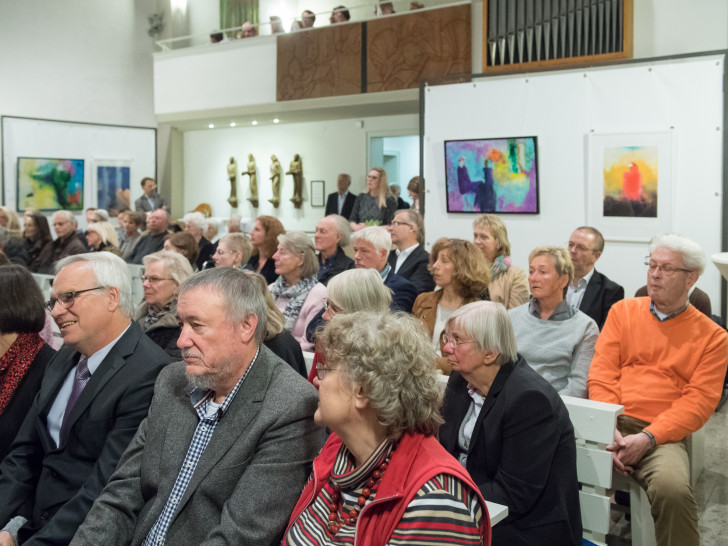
x=308 y=358
x=45 y=282
x=136 y=272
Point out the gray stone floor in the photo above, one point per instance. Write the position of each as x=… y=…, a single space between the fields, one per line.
x=711 y=491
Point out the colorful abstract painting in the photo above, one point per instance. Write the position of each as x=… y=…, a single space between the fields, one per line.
x=492 y=175
x=50 y=184
x=630 y=181
x=112 y=184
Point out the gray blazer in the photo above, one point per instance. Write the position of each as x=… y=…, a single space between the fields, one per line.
x=247 y=481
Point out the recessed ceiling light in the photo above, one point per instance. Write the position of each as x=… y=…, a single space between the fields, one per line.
x=233 y=124
x=276 y=120
x=211 y=126
x=254 y=122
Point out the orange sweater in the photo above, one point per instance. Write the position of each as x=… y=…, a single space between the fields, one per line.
x=669 y=374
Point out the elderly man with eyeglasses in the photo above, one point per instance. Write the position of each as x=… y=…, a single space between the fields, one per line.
x=410 y=260
x=665 y=362
x=591 y=292
x=95 y=392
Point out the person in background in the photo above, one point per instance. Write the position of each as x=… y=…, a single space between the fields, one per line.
x=153 y=240
x=308 y=18
x=413 y=187
x=410 y=260
x=212 y=230
x=216 y=37
x=196 y=224
x=129 y=225
x=341 y=201
x=385 y=8
x=247 y=30
x=509 y=284
x=233 y=250
x=66 y=243
x=460 y=270
x=297 y=292
x=164 y=271
x=339 y=15
x=183 y=243
x=10 y=221
x=233 y=225
x=94 y=215
x=510 y=429
x=590 y=291
x=37 y=238
x=264 y=237
x=151 y=200
x=23 y=354
x=377 y=205
x=13 y=247
x=382 y=477
x=276 y=25
x=332 y=233
x=396 y=191
x=101 y=237
x=556 y=339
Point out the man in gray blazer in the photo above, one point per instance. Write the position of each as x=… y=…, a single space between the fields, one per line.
x=229 y=439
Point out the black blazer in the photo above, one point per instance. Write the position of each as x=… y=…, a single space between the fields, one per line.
x=61 y=484
x=414 y=269
x=332 y=204
x=404 y=292
x=268 y=271
x=600 y=295
x=522 y=454
x=341 y=262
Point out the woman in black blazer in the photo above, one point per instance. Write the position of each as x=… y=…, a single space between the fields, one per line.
x=510 y=429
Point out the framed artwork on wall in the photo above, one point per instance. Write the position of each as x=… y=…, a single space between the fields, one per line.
x=496 y=175
x=318 y=193
x=49 y=184
x=113 y=185
x=629 y=185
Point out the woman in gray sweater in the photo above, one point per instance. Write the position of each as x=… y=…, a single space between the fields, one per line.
x=555 y=339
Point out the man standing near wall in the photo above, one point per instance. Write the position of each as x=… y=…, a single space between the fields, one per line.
x=151 y=200
x=341 y=201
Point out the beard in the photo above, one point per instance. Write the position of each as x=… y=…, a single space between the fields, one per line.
x=210 y=380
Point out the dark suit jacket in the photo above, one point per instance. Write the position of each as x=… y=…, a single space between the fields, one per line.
x=247 y=481
x=341 y=262
x=404 y=292
x=142 y=204
x=332 y=204
x=600 y=295
x=522 y=454
x=414 y=269
x=62 y=484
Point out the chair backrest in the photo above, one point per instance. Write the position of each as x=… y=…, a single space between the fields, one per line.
x=45 y=282
x=136 y=272
x=594 y=424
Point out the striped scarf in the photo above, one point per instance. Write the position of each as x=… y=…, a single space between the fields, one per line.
x=297 y=295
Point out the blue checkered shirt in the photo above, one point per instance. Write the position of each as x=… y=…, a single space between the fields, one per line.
x=203 y=433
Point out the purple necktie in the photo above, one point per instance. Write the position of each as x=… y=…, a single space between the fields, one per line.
x=79 y=382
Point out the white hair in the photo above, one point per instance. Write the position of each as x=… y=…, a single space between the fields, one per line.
x=378 y=236
x=68 y=215
x=196 y=218
x=343 y=227
x=692 y=255
x=489 y=325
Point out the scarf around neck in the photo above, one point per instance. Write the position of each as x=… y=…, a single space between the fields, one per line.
x=499 y=266
x=14 y=364
x=297 y=296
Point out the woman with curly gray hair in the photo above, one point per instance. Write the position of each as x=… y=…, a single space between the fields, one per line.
x=382 y=477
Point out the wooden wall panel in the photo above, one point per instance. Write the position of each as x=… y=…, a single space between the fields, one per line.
x=403 y=50
x=324 y=62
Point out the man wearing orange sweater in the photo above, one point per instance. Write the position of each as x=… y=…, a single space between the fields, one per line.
x=665 y=362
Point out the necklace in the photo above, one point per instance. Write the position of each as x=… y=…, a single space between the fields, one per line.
x=351 y=517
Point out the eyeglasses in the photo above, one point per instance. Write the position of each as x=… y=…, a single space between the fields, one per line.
x=155 y=280
x=330 y=306
x=666 y=270
x=67 y=298
x=322 y=370
x=221 y=251
x=397 y=223
x=454 y=341
x=580 y=248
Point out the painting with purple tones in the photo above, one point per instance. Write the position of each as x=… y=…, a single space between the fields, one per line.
x=112 y=183
x=50 y=184
x=492 y=175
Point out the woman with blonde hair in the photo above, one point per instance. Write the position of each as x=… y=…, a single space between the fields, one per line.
x=10 y=221
x=556 y=339
x=509 y=284
x=101 y=237
x=377 y=205
x=461 y=271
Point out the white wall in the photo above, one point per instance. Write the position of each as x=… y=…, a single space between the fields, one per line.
x=562 y=108
x=326 y=149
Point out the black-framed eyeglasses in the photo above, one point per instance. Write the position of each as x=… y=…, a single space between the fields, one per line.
x=666 y=270
x=322 y=370
x=454 y=341
x=67 y=298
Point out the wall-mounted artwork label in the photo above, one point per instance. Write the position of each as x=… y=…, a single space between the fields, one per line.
x=112 y=183
x=492 y=175
x=630 y=181
x=50 y=184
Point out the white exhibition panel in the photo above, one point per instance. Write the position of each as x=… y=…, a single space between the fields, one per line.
x=327 y=148
x=228 y=74
x=683 y=97
x=132 y=146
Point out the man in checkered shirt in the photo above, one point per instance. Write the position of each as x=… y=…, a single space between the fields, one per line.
x=229 y=439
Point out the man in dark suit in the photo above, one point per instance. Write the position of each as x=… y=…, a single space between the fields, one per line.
x=410 y=260
x=371 y=248
x=230 y=436
x=332 y=233
x=341 y=202
x=591 y=292
x=94 y=394
x=151 y=200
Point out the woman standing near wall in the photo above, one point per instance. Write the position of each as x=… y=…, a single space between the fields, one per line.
x=377 y=205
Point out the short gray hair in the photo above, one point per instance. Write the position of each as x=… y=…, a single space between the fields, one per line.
x=102 y=213
x=378 y=236
x=110 y=271
x=359 y=290
x=67 y=214
x=300 y=244
x=415 y=218
x=489 y=325
x=240 y=295
x=239 y=243
x=692 y=254
x=343 y=227
x=175 y=264
x=196 y=218
x=106 y=231
x=390 y=356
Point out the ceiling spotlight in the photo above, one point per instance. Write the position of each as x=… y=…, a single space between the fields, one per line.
x=276 y=120
x=254 y=122
x=233 y=124
x=211 y=126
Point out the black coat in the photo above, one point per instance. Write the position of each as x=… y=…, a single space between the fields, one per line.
x=404 y=292
x=414 y=269
x=341 y=262
x=268 y=271
x=522 y=454
x=332 y=204
x=600 y=295
x=285 y=347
